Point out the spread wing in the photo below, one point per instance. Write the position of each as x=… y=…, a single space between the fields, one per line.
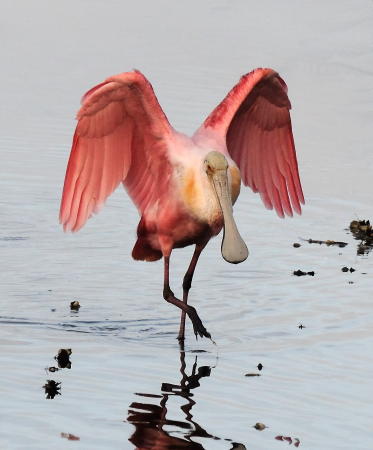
x=121 y=136
x=254 y=120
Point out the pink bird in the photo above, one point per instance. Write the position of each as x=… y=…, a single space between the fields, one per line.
x=184 y=187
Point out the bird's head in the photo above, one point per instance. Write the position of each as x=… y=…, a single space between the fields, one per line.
x=233 y=248
x=215 y=161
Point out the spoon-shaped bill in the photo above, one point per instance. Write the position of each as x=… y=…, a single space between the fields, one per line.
x=233 y=248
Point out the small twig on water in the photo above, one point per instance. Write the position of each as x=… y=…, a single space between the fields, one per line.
x=327 y=242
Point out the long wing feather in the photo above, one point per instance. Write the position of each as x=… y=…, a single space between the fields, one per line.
x=121 y=136
x=254 y=119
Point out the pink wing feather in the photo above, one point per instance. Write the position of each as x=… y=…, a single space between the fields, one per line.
x=254 y=119
x=120 y=137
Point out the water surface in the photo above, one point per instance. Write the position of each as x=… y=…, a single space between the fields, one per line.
x=128 y=382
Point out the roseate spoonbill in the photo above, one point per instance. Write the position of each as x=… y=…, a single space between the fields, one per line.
x=184 y=188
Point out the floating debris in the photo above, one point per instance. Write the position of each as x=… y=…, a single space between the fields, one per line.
x=63 y=358
x=296 y=245
x=260 y=426
x=300 y=273
x=260 y=366
x=289 y=440
x=198 y=351
x=237 y=446
x=327 y=242
x=362 y=226
x=346 y=269
x=75 y=305
x=301 y=326
x=70 y=437
x=52 y=388
x=362 y=230
x=252 y=374
x=363 y=248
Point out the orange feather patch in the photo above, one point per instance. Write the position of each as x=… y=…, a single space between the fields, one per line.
x=236 y=183
x=190 y=189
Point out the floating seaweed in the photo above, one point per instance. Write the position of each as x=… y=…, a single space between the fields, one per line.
x=346 y=269
x=63 y=358
x=300 y=273
x=52 y=388
x=362 y=231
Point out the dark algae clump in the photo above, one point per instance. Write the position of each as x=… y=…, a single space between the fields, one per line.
x=300 y=273
x=63 y=358
x=52 y=388
x=346 y=269
x=362 y=231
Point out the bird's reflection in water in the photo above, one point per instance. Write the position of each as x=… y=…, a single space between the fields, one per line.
x=150 y=419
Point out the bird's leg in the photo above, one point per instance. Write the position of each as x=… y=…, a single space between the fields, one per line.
x=169 y=296
x=187 y=283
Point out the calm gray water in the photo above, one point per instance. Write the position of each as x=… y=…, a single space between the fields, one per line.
x=129 y=386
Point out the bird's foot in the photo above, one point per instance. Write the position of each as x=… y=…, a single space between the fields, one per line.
x=198 y=327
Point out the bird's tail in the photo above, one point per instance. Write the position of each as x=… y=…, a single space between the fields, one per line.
x=142 y=251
